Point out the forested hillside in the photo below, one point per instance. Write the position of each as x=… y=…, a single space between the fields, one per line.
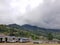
x=29 y=31
x=16 y=31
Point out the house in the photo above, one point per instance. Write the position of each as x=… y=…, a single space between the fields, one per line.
x=23 y=40
x=8 y=39
x=2 y=39
x=11 y=39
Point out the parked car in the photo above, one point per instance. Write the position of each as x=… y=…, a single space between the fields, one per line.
x=37 y=42
x=23 y=40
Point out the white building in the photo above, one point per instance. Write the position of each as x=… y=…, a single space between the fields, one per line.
x=13 y=39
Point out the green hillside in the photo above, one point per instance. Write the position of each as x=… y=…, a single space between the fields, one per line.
x=10 y=31
x=28 y=31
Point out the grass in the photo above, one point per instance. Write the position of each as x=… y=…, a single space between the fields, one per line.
x=25 y=44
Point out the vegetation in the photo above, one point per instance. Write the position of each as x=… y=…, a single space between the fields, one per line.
x=50 y=36
x=16 y=32
x=29 y=31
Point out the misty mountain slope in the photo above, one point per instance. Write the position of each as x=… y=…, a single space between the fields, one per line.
x=27 y=31
x=30 y=27
x=36 y=30
x=26 y=26
x=13 y=31
x=14 y=26
x=40 y=30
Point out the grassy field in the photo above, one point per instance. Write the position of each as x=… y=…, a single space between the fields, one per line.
x=25 y=44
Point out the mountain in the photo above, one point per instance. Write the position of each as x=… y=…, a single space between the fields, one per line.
x=16 y=30
x=14 y=26
x=28 y=31
x=36 y=30
x=29 y=27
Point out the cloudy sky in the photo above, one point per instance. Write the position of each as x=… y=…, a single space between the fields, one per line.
x=42 y=13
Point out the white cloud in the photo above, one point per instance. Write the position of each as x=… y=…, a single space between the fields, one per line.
x=42 y=13
x=11 y=9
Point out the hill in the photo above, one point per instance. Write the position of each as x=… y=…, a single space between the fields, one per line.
x=28 y=31
x=37 y=30
x=10 y=30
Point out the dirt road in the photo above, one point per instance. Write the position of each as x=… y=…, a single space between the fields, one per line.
x=25 y=44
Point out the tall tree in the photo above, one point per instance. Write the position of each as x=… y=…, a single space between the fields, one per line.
x=50 y=36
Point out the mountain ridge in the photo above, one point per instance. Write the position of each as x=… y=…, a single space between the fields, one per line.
x=31 y=27
x=28 y=30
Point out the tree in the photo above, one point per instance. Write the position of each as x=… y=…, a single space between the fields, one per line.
x=50 y=36
x=11 y=32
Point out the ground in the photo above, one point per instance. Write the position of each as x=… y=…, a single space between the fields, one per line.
x=25 y=44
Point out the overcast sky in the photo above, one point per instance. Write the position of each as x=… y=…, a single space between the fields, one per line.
x=42 y=13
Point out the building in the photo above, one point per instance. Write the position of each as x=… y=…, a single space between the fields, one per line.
x=23 y=40
x=2 y=39
x=11 y=39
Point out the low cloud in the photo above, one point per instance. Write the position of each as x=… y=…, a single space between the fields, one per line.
x=45 y=15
